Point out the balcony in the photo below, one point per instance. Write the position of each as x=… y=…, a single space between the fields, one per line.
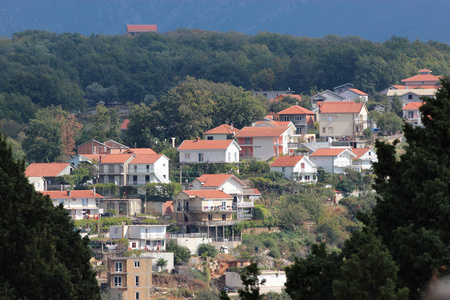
x=151 y=236
x=342 y=164
x=212 y=209
x=245 y=204
x=211 y=223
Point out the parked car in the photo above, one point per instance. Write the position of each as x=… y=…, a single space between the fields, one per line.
x=137 y=222
x=106 y=214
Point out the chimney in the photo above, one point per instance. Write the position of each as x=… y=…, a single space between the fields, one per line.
x=197 y=139
x=69 y=193
x=94 y=191
x=61 y=187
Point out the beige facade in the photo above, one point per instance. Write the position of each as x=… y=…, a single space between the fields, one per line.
x=343 y=124
x=130 y=275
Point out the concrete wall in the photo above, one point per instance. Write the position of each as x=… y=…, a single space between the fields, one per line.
x=192 y=243
x=156 y=255
x=275 y=281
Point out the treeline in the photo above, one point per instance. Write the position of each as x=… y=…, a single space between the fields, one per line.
x=41 y=68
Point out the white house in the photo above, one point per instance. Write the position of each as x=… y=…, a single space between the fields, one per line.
x=274 y=281
x=49 y=172
x=209 y=151
x=411 y=113
x=148 y=168
x=243 y=197
x=113 y=168
x=414 y=95
x=333 y=160
x=80 y=204
x=38 y=182
x=298 y=168
x=141 y=237
x=354 y=95
x=325 y=96
x=365 y=157
x=263 y=143
x=222 y=132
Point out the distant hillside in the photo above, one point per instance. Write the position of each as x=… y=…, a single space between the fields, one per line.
x=372 y=20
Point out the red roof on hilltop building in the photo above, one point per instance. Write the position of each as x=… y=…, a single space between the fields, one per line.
x=423 y=77
x=286 y=161
x=222 y=129
x=360 y=152
x=142 y=28
x=75 y=194
x=208 y=194
x=261 y=131
x=328 y=151
x=282 y=96
x=296 y=110
x=205 y=144
x=358 y=92
x=413 y=105
x=340 y=107
x=115 y=158
x=216 y=180
x=45 y=169
x=146 y=158
x=124 y=125
x=141 y=151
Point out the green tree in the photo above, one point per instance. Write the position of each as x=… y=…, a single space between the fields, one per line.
x=396 y=106
x=41 y=254
x=180 y=254
x=142 y=127
x=161 y=263
x=207 y=250
x=311 y=278
x=249 y=277
x=390 y=123
x=412 y=208
x=105 y=124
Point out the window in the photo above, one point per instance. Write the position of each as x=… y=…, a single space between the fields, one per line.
x=187 y=155
x=116 y=230
x=409 y=97
x=133 y=245
x=200 y=157
x=209 y=217
x=330 y=129
x=298 y=130
x=330 y=118
x=148 y=168
x=247 y=141
x=229 y=156
x=224 y=217
x=117 y=281
x=224 y=205
x=235 y=156
x=323 y=130
x=297 y=118
x=324 y=118
x=147 y=178
x=286 y=118
x=137 y=296
x=135 y=168
x=134 y=179
x=119 y=267
x=84 y=202
x=210 y=138
x=302 y=165
x=136 y=280
x=283 y=169
x=307 y=177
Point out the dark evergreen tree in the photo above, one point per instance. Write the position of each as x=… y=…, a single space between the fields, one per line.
x=249 y=277
x=41 y=254
x=413 y=208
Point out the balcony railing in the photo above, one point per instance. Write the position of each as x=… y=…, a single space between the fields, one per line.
x=152 y=236
x=245 y=204
x=342 y=164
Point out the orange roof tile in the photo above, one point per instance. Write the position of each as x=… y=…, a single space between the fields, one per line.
x=413 y=105
x=115 y=158
x=222 y=129
x=208 y=194
x=261 y=131
x=141 y=151
x=146 y=158
x=358 y=92
x=205 y=144
x=424 y=86
x=286 y=161
x=74 y=194
x=360 y=152
x=328 y=151
x=141 y=28
x=280 y=97
x=45 y=169
x=425 y=70
x=398 y=87
x=296 y=110
x=340 y=107
x=270 y=117
x=124 y=125
x=216 y=180
x=93 y=156
x=422 y=77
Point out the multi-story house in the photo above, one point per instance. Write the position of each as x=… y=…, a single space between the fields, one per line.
x=222 y=132
x=113 y=168
x=333 y=160
x=243 y=197
x=204 y=211
x=132 y=276
x=365 y=157
x=298 y=168
x=325 y=96
x=209 y=151
x=342 y=119
x=44 y=175
x=423 y=80
x=302 y=118
x=411 y=113
x=148 y=168
x=409 y=96
x=141 y=237
x=263 y=143
x=80 y=204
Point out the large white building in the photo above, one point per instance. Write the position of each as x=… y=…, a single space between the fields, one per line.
x=298 y=168
x=333 y=160
x=209 y=151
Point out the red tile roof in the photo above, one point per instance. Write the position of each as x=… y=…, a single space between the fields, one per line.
x=358 y=92
x=280 y=97
x=141 y=151
x=425 y=70
x=124 y=125
x=360 y=152
x=115 y=158
x=142 y=28
x=45 y=169
x=261 y=131
x=296 y=110
x=413 y=105
x=273 y=123
x=222 y=129
x=205 y=144
x=340 y=107
x=286 y=161
x=216 y=180
x=398 y=87
x=146 y=158
x=208 y=194
x=425 y=86
x=74 y=194
x=328 y=151
x=93 y=156
x=422 y=77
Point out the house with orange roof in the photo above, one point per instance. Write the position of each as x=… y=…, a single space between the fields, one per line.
x=209 y=151
x=80 y=204
x=365 y=157
x=342 y=119
x=205 y=211
x=221 y=132
x=354 y=95
x=148 y=168
x=113 y=168
x=282 y=96
x=124 y=125
x=424 y=78
x=272 y=94
x=325 y=96
x=411 y=113
x=302 y=118
x=133 y=30
x=333 y=160
x=44 y=175
x=263 y=143
x=243 y=197
x=298 y=167
x=415 y=95
x=96 y=147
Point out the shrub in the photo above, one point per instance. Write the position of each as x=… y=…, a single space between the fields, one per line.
x=206 y=250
